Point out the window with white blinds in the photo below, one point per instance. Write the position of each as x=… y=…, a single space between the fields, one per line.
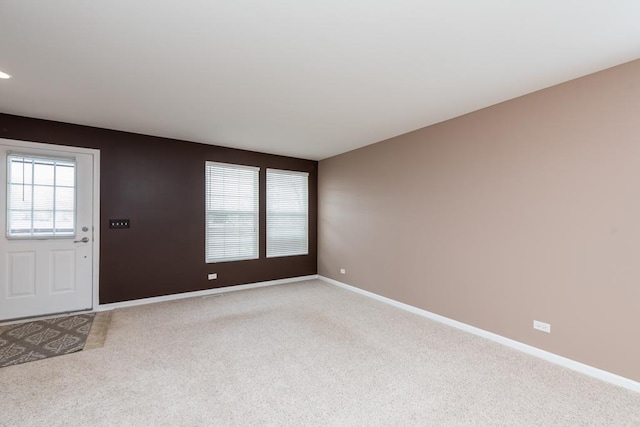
x=231 y=201
x=41 y=197
x=287 y=213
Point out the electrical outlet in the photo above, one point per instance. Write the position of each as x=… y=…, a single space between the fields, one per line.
x=542 y=326
x=343 y=271
x=212 y=276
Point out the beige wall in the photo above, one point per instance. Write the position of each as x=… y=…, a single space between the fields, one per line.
x=525 y=210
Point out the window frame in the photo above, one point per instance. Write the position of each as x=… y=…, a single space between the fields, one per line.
x=256 y=211
x=269 y=212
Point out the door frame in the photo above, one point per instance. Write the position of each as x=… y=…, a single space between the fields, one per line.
x=95 y=276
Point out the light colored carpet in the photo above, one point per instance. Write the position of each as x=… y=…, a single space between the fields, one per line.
x=298 y=354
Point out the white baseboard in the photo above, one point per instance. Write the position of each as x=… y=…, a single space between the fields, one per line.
x=534 y=351
x=152 y=300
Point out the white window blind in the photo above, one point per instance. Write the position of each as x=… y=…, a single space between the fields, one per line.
x=287 y=213
x=41 y=196
x=231 y=201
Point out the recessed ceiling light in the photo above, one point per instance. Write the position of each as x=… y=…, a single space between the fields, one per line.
x=4 y=75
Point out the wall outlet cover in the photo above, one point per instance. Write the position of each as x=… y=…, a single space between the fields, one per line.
x=542 y=326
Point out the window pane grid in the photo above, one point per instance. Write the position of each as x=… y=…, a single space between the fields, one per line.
x=41 y=197
x=287 y=213
x=231 y=200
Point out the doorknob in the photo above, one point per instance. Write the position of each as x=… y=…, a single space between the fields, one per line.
x=83 y=240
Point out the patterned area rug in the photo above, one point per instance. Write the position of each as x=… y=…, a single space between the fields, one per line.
x=36 y=340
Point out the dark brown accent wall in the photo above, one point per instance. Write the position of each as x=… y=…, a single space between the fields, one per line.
x=158 y=184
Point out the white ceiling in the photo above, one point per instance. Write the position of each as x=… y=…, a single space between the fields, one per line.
x=301 y=78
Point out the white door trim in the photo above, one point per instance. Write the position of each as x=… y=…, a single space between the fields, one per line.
x=95 y=203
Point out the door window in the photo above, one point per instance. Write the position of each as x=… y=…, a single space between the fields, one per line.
x=41 y=197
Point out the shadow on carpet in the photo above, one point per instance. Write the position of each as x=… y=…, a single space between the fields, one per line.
x=41 y=339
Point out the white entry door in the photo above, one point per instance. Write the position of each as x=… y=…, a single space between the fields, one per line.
x=46 y=253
